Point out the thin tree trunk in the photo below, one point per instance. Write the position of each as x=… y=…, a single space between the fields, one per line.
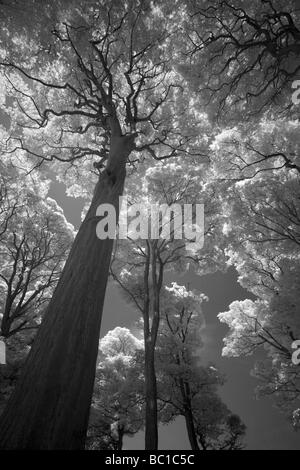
x=150 y=335
x=188 y=416
x=151 y=431
x=188 y=413
x=120 y=439
x=50 y=406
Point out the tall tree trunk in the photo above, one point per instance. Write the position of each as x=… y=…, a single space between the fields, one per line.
x=189 y=422
x=120 y=438
x=150 y=337
x=188 y=413
x=50 y=406
x=151 y=431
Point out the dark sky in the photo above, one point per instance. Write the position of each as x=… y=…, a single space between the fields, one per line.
x=266 y=427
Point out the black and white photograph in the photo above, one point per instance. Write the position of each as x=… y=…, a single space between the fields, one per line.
x=149 y=228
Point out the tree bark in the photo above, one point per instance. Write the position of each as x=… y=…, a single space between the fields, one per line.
x=120 y=438
x=151 y=431
x=188 y=413
x=50 y=406
x=150 y=337
x=188 y=416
